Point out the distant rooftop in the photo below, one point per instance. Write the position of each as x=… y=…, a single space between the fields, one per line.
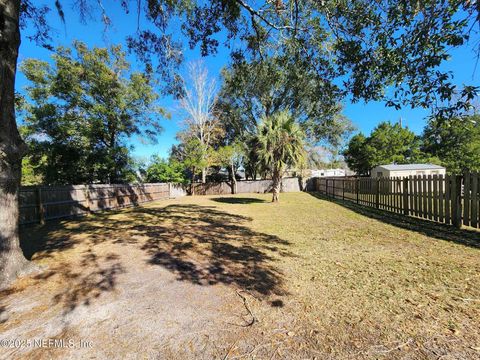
x=411 y=167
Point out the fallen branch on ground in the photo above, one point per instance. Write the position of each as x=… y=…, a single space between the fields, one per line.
x=245 y=303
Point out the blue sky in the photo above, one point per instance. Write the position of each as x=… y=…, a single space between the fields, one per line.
x=364 y=116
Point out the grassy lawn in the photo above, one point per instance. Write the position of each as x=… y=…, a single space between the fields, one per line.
x=239 y=277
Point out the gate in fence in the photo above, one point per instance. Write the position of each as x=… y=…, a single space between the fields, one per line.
x=449 y=199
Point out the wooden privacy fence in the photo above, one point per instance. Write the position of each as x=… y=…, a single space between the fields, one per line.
x=449 y=199
x=41 y=203
x=246 y=186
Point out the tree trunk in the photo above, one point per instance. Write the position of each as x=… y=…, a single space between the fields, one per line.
x=302 y=184
x=276 y=179
x=204 y=175
x=192 y=184
x=12 y=148
x=234 y=180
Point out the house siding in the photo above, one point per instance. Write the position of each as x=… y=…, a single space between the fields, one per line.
x=404 y=173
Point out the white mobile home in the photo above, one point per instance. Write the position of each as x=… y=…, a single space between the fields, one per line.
x=405 y=170
x=328 y=173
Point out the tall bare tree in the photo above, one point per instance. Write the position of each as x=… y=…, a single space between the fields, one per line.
x=198 y=102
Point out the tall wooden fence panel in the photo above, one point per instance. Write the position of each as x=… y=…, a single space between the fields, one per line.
x=449 y=199
x=471 y=200
x=41 y=203
x=246 y=186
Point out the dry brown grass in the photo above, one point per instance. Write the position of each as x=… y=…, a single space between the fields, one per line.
x=321 y=280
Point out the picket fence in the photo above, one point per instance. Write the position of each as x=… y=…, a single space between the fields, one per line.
x=449 y=199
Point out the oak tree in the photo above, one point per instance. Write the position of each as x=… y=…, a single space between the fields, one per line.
x=81 y=110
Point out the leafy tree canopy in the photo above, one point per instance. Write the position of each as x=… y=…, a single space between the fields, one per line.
x=389 y=50
x=357 y=154
x=30 y=173
x=230 y=155
x=81 y=110
x=455 y=142
x=161 y=170
x=386 y=144
x=191 y=154
x=257 y=89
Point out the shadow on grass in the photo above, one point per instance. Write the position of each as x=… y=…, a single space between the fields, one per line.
x=199 y=244
x=432 y=229
x=205 y=246
x=86 y=280
x=238 y=200
x=45 y=240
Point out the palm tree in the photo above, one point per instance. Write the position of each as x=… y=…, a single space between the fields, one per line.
x=280 y=144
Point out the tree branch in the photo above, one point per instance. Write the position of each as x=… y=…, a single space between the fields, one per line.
x=254 y=12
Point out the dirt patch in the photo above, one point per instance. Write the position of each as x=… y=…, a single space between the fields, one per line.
x=238 y=277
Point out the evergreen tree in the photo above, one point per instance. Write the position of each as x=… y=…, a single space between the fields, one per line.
x=455 y=142
x=387 y=144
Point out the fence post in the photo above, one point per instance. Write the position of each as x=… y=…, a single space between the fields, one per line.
x=41 y=209
x=456 y=198
x=466 y=198
x=474 y=189
x=357 y=185
x=117 y=196
x=343 y=189
x=87 y=199
x=326 y=187
x=377 y=193
x=405 y=193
